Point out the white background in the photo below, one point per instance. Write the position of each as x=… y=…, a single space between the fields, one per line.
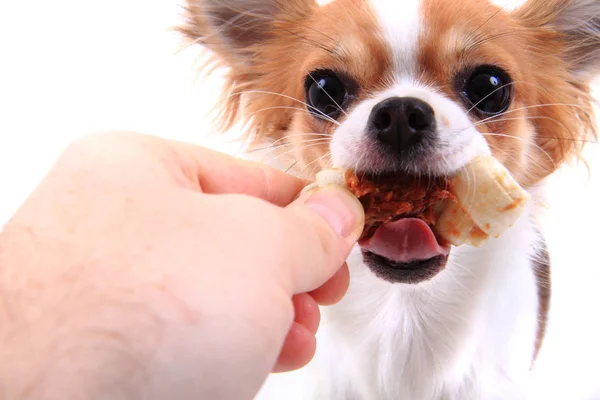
x=71 y=67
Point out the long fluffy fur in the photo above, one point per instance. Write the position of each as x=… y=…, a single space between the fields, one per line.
x=571 y=29
x=254 y=66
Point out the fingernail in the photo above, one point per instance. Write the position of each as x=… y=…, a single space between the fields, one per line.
x=342 y=211
x=307 y=190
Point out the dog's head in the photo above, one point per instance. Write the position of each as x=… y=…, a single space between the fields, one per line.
x=420 y=86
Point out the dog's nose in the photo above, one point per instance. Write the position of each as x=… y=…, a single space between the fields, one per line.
x=401 y=122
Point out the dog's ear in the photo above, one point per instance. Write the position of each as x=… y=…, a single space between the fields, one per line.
x=562 y=38
x=234 y=29
x=575 y=24
x=253 y=40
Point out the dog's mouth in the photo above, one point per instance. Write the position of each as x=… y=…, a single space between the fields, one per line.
x=405 y=251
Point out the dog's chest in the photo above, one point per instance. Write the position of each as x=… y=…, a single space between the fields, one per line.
x=470 y=333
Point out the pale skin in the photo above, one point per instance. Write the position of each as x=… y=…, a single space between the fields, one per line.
x=142 y=268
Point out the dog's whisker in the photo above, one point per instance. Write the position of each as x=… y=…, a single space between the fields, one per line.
x=320 y=116
x=558 y=123
x=277 y=143
x=291 y=166
x=265 y=148
x=532 y=159
x=501 y=117
x=463 y=268
x=570 y=139
x=524 y=108
x=303 y=147
x=509 y=157
x=513 y=83
x=327 y=155
x=274 y=148
x=527 y=142
x=239 y=93
x=316 y=164
x=308 y=134
x=534 y=106
x=300 y=144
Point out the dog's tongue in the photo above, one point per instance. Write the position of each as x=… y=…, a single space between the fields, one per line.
x=405 y=240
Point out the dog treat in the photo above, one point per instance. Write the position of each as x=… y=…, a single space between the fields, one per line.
x=482 y=200
x=488 y=202
x=393 y=197
x=390 y=197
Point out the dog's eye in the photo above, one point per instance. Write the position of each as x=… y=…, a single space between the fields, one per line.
x=489 y=90
x=325 y=94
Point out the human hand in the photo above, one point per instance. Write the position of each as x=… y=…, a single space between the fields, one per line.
x=144 y=267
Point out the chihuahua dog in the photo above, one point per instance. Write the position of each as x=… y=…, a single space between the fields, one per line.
x=416 y=87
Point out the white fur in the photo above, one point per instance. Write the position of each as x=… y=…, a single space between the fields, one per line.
x=400 y=23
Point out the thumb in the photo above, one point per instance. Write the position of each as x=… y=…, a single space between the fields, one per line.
x=336 y=220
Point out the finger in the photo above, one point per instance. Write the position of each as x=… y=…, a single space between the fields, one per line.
x=302 y=245
x=334 y=289
x=298 y=349
x=299 y=346
x=326 y=224
x=218 y=173
x=306 y=312
x=189 y=165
